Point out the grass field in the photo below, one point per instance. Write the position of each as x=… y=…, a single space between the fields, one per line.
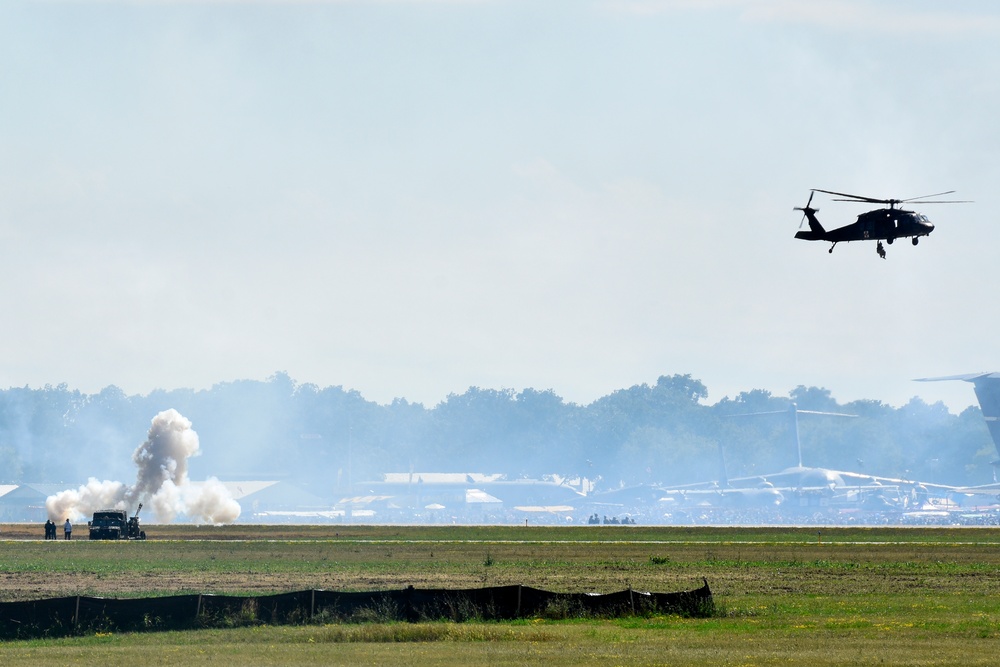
x=785 y=595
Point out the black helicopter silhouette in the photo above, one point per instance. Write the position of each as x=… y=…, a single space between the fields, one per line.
x=884 y=224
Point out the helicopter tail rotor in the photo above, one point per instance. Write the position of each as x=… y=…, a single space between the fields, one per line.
x=816 y=231
x=806 y=210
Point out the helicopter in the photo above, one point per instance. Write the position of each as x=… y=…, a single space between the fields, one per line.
x=883 y=224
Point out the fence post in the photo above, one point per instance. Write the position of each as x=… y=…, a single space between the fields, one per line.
x=518 y=601
x=197 y=612
x=76 y=614
x=312 y=603
x=631 y=599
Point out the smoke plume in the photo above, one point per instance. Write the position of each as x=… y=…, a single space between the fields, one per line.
x=161 y=481
x=74 y=503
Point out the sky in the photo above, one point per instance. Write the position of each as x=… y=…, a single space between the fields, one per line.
x=413 y=197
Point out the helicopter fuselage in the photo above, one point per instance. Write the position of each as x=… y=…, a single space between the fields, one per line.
x=885 y=224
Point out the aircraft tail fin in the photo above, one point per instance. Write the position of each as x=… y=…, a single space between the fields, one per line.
x=987 y=386
x=816 y=231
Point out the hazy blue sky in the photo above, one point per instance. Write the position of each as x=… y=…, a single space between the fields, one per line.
x=409 y=198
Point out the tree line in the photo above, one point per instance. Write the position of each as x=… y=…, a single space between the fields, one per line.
x=332 y=439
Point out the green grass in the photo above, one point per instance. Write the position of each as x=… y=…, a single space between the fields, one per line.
x=863 y=596
x=771 y=638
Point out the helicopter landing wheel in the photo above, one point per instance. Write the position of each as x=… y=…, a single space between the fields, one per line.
x=890 y=240
x=916 y=240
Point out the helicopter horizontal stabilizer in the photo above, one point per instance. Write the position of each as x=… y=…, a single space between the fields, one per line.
x=811 y=235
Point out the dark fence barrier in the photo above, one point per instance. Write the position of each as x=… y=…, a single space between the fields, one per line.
x=73 y=615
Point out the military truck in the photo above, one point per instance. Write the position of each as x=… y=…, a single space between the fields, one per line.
x=114 y=524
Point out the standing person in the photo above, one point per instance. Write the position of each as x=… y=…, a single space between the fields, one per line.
x=68 y=529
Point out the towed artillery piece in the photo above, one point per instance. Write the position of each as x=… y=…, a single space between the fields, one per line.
x=112 y=524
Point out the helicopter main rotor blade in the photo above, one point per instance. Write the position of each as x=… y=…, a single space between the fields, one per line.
x=891 y=202
x=940 y=201
x=943 y=201
x=896 y=202
x=870 y=200
x=940 y=194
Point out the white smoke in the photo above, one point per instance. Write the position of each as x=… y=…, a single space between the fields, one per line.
x=164 y=455
x=211 y=501
x=161 y=481
x=208 y=501
x=167 y=503
x=94 y=495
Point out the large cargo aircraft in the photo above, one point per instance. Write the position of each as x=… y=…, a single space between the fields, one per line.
x=987 y=387
x=811 y=485
x=988 y=392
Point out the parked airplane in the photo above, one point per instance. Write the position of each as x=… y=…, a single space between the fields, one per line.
x=452 y=489
x=810 y=484
x=987 y=386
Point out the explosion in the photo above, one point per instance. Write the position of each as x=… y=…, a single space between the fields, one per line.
x=161 y=479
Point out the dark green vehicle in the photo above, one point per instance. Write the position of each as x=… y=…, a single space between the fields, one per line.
x=113 y=524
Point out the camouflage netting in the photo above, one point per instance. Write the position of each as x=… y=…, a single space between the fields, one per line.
x=73 y=615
